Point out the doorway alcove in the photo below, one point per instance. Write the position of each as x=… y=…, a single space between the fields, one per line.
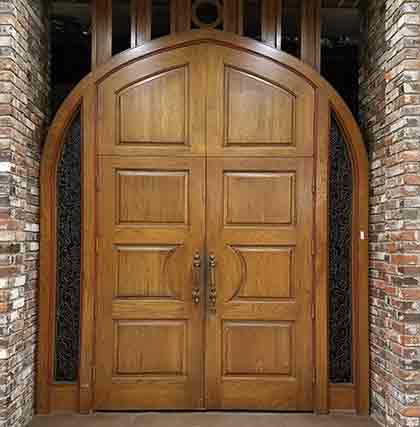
x=67 y=301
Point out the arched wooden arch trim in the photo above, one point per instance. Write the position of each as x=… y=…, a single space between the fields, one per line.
x=79 y=396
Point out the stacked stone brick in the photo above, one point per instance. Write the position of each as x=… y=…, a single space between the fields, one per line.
x=390 y=113
x=23 y=115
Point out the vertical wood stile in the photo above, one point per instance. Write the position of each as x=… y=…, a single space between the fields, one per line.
x=311 y=33
x=271 y=22
x=321 y=261
x=87 y=288
x=241 y=17
x=231 y=15
x=141 y=22
x=101 y=32
x=180 y=16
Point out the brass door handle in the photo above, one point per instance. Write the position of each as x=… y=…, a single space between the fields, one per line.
x=196 y=271
x=212 y=290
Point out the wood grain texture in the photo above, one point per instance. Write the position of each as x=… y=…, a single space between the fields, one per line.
x=101 y=32
x=245 y=95
x=159 y=343
x=254 y=107
x=147 y=52
x=232 y=16
x=271 y=352
x=152 y=109
x=271 y=22
x=265 y=272
x=342 y=397
x=141 y=22
x=311 y=33
x=180 y=16
x=88 y=277
x=268 y=328
x=246 y=201
x=321 y=260
x=162 y=104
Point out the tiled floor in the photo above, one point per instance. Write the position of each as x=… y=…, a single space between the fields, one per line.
x=208 y=419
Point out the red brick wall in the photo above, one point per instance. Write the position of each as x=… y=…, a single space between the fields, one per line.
x=390 y=113
x=23 y=114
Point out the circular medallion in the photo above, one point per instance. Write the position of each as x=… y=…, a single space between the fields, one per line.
x=207 y=13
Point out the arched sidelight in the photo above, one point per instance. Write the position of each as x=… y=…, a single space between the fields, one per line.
x=68 y=239
x=340 y=204
x=335 y=128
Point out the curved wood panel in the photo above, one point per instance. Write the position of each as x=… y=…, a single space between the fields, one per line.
x=179 y=134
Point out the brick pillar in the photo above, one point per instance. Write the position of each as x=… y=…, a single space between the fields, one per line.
x=23 y=114
x=390 y=113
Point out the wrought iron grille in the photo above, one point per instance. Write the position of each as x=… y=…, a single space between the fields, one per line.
x=67 y=333
x=340 y=254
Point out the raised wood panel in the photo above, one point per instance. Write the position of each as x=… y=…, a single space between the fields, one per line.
x=149 y=343
x=265 y=272
x=257 y=107
x=152 y=197
x=271 y=352
x=263 y=198
x=342 y=397
x=156 y=107
x=259 y=112
x=147 y=271
x=64 y=397
x=155 y=111
x=263 y=358
x=140 y=348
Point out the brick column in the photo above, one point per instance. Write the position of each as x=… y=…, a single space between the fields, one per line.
x=390 y=113
x=23 y=114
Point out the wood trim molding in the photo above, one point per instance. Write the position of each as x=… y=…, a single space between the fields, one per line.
x=360 y=252
x=311 y=33
x=141 y=22
x=101 y=31
x=181 y=21
x=271 y=20
x=321 y=260
x=88 y=261
x=232 y=16
x=342 y=397
x=84 y=95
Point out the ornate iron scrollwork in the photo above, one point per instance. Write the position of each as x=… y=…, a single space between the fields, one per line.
x=340 y=255
x=67 y=321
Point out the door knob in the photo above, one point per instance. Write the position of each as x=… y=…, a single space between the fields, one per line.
x=212 y=291
x=196 y=270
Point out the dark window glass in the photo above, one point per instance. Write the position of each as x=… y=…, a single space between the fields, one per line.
x=71 y=47
x=340 y=52
x=340 y=257
x=252 y=19
x=67 y=333
x=290 y=37
x=121 y=25
x=161 y=18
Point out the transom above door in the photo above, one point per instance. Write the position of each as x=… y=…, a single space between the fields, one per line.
x=205 y=189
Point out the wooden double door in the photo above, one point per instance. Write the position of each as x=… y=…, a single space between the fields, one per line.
x=204 y=261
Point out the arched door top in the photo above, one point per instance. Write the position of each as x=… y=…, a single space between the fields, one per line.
x=326 y=101
x=233 y=41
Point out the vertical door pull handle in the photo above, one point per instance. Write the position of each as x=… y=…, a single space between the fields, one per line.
x=212 y=295
x=196 y=270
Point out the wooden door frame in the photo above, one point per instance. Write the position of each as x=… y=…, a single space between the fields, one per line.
x=79 y=396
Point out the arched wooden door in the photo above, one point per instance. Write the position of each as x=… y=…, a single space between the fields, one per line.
x=204 y=231
x=205 y=195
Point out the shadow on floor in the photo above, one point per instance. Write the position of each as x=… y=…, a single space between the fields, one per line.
x=206 y=419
